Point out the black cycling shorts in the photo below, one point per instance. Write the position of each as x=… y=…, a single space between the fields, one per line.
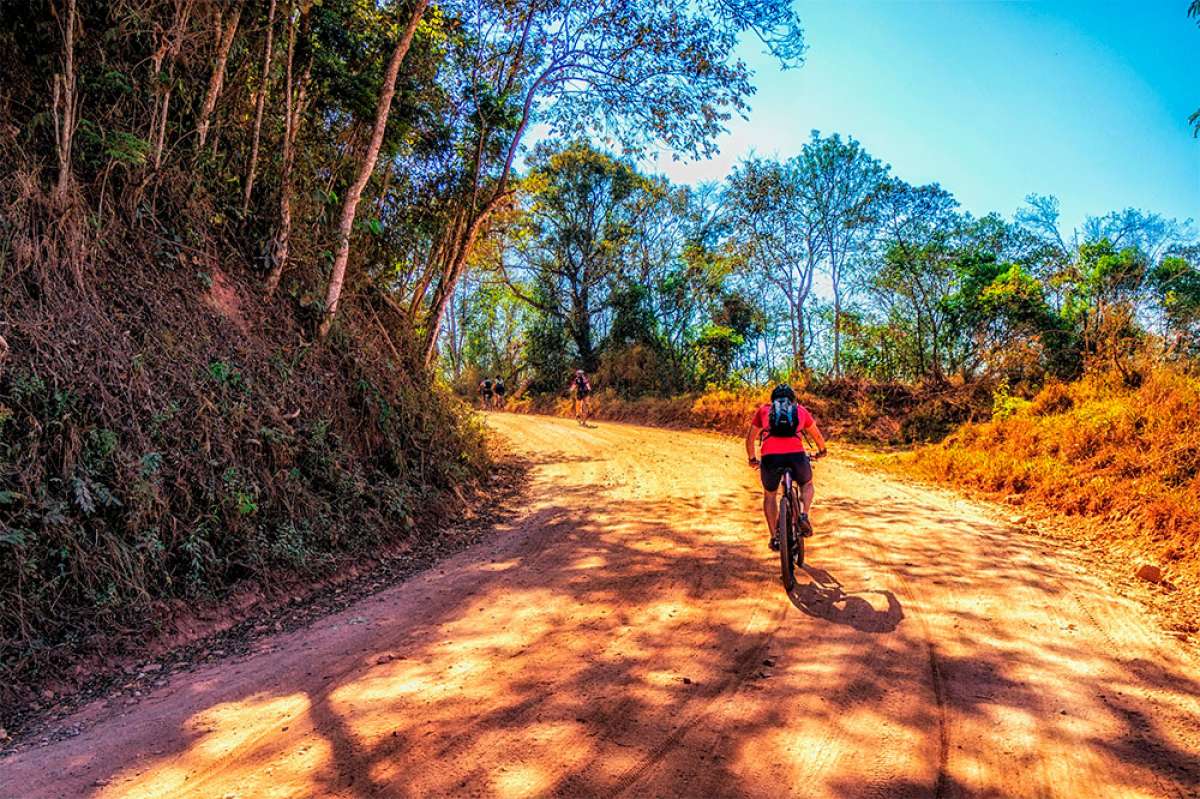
x=771 y=469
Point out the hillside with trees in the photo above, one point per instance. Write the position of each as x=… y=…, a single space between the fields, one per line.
x=230 y=237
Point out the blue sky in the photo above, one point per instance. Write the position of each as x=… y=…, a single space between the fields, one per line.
x=1087 y=101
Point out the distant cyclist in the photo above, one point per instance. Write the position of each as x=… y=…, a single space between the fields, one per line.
x=581 y=387
x=485 y=392
x=498 y=393
x=778 y=426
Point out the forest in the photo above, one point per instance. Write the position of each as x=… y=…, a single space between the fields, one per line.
x=821 y=266
x=255 y=254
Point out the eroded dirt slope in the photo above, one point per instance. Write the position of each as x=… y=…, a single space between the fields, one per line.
x=627 y=635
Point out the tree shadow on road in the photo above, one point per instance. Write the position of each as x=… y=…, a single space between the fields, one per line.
x=641 y=647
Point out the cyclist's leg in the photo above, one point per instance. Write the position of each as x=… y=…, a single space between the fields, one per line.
x=802 y=467
x=770 y=473
x=806 y=496
x=771 y=510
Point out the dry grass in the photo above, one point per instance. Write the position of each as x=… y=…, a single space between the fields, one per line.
x=1126 y=459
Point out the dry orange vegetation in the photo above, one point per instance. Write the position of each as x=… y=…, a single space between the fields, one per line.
x=1128 y=458
x=846 y=409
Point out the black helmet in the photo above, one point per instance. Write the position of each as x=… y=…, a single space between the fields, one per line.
x=783 y=390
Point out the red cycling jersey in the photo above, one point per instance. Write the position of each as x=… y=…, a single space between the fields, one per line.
x=773 y=445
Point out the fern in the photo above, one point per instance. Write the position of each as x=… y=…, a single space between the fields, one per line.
x=83 y=496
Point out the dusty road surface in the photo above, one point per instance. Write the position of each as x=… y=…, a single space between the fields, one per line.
x=627 y=635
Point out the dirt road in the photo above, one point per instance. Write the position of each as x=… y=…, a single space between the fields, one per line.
x=627 y=635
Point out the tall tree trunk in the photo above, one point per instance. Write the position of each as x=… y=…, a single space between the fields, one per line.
x=350 y=206
x=66 y=106
x=166 y=53
x=446 y=285
x=225 y=43
x=837 y=331
x=160 y=136
x=445 y=289
x=293 y=114
x=260 y=105
x=799 y=346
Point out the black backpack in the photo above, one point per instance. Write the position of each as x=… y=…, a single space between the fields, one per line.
x=783 y=420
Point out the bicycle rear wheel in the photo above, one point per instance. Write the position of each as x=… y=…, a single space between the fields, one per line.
x=784 y=529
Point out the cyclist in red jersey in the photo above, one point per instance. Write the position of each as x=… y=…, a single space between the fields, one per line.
x=778 y=426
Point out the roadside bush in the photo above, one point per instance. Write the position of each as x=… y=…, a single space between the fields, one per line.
x=848 y=409
x=1128 y=457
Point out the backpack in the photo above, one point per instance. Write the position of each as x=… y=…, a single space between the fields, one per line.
x=783 y=420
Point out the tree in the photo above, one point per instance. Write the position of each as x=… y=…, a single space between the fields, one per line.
x=838 y=183
x=295 y=96
x=260 y=104
x=1175 y=282
x=225 y=36
x=778 y=236
x=66 y=104
x=1101 y=303
x=1149 y=233
x=366 y=168
x=582 y=210
x=635 y=70
x=917 y=225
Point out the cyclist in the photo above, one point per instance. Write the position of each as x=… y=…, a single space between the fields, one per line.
x=582 y=389
x=485 y=392
x=778 y=426
x=498 y=392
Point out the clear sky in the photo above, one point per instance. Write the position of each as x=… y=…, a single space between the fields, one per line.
x=1087 y=101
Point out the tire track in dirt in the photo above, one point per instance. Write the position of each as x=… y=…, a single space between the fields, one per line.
x=937 y=685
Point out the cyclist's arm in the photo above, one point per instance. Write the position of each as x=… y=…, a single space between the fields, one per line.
x=752 y=434
x=815 y=433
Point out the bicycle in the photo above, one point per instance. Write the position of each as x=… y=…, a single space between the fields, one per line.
x=787 y=529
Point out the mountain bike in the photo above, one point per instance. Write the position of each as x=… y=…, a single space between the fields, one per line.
x=787 y=529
